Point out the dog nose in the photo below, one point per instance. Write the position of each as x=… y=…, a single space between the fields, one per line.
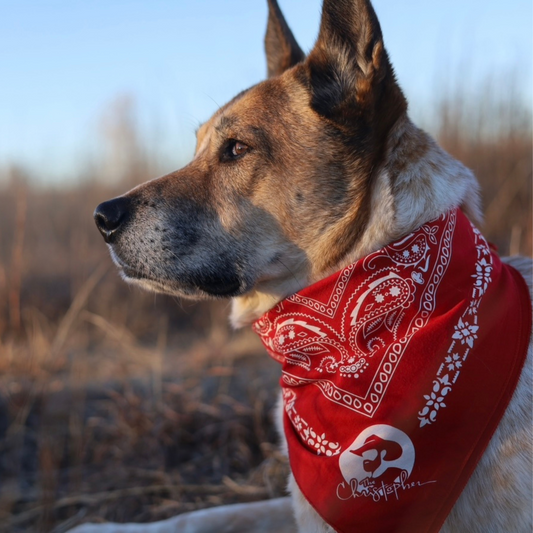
x=110 y=215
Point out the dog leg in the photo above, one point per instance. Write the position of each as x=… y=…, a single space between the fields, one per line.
x=270 y=516
x=308 y=520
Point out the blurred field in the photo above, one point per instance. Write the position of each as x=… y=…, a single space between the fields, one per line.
x=119 y=405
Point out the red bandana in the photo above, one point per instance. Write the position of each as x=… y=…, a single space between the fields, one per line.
x=396 y=372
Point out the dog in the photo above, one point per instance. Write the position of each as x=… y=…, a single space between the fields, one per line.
x=314 y=169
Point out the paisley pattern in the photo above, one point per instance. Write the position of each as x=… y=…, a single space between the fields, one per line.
x=361 y=334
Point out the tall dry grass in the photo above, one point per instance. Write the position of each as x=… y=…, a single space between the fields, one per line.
x=490 y=130
x=119 y=405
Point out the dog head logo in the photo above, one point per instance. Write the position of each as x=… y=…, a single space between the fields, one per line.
x=381 y=454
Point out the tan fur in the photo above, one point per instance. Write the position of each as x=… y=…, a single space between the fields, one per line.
x=333 y=170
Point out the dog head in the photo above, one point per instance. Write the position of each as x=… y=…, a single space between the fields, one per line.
x=279 y=188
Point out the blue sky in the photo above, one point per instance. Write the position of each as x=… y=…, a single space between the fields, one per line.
x=63 y=61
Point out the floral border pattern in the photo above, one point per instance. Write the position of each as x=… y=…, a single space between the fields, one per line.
x=463 y=338
x=314 y=440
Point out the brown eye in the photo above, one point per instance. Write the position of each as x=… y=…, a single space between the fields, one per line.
x=238 y=149
x=234 y=150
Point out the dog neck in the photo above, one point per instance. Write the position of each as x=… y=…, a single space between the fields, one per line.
x=417 y=182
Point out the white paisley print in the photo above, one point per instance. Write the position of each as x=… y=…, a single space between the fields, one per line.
x=350 y=341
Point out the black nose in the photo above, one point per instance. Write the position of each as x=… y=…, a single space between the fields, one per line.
x=111 y=215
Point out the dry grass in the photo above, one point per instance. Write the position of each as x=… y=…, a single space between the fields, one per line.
x=490 y=131
x=117 y=405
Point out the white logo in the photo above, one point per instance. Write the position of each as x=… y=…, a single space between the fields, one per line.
x=379 y=458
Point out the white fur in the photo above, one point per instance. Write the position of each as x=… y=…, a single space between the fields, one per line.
x=430 y=185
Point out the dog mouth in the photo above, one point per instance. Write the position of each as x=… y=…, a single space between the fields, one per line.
x=199 y=286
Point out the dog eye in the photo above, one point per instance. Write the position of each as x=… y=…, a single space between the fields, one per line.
x=237 y=148
x=234 y=150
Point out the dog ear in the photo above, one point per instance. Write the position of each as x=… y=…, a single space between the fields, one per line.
x=281 y=48
x=349 y=67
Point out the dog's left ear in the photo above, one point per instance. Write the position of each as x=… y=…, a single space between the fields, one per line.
x=282 y=50
x=349 y=68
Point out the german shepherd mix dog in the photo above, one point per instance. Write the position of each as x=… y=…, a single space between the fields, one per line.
x=300 y=185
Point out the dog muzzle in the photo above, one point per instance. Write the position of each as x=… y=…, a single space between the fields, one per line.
x=396 y=372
